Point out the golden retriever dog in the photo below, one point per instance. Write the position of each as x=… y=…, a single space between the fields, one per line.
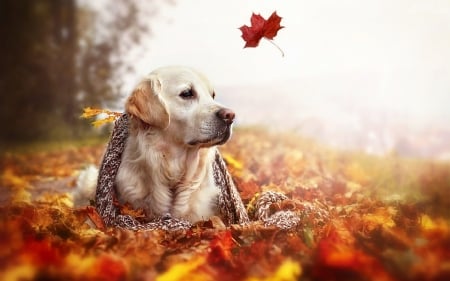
x=175 y=126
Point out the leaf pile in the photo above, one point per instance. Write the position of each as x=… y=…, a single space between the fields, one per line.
x=361 y=218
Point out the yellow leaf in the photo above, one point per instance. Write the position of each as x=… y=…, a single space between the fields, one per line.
x=384 y=218
x=19 y=186
x=427 y=223
x=56 y=199
x=12 y=180
x=287 y=271
x=19 y=272
x=89 y=112
x=185 y=271
x=100 y=122
x=21 y=196
x=232 y=161
x=356 y=173
x=82 y=264
x=107 y=116
x=434 y=225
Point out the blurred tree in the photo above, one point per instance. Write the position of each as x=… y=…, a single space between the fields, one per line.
x=103 y=51
x=57 y=57
x=38 y=38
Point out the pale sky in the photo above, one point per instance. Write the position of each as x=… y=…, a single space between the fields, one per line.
x=381 y=55
x=403 y=46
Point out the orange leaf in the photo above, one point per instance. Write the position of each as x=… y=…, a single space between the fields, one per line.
x=91 y=212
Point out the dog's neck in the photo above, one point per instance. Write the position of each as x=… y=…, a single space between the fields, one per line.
x=172 y=164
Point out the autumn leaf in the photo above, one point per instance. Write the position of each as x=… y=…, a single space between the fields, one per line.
x=92 y=214
x=185 y=271
x=100 y=122
x=220 y=249
x=261 y=28
x=236 y=164
x=127 y=209
x=288 y=270
x=89 y=112
x=104 y=116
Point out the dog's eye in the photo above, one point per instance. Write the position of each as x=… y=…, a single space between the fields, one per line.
x=187 y=94
x=213 y=95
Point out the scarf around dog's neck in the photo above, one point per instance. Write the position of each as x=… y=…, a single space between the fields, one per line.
x=230 y=205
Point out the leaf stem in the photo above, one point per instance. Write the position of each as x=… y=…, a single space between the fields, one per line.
x=273 y=43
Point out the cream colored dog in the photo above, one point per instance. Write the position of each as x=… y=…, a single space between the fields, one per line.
x=175 y=124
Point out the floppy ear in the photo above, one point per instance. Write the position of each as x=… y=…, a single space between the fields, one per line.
x=146 y=104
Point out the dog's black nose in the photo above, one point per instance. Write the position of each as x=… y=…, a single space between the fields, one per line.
x=226 y=115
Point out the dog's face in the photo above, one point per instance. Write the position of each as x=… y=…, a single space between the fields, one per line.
x=180 y=102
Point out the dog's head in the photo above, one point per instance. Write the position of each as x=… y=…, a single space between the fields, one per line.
x=179 y=101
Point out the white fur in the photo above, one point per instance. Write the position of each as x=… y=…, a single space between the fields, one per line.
x=85 y=186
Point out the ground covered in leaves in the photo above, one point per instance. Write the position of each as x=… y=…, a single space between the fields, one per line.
x=362 y=218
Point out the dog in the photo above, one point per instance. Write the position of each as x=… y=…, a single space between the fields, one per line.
x=162 y=156
x=175 y=128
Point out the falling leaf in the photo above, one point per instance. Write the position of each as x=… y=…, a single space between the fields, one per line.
x=261 y=28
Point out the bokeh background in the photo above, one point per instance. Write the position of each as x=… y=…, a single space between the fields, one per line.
x=361 y=75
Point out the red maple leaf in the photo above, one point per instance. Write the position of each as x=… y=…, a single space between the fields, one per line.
x=261 y=28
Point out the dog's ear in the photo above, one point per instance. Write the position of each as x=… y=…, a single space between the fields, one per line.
x=146 y=103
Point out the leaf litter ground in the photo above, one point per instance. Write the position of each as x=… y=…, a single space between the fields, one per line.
x=361 y=218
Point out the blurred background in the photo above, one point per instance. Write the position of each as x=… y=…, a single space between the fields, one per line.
x=361 y=75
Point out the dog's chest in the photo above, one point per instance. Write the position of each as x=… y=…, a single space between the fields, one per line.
x=184 y=187
x=175 y=171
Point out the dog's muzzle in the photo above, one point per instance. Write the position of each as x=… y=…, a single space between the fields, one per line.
x=227 y=116
x=222 y=129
